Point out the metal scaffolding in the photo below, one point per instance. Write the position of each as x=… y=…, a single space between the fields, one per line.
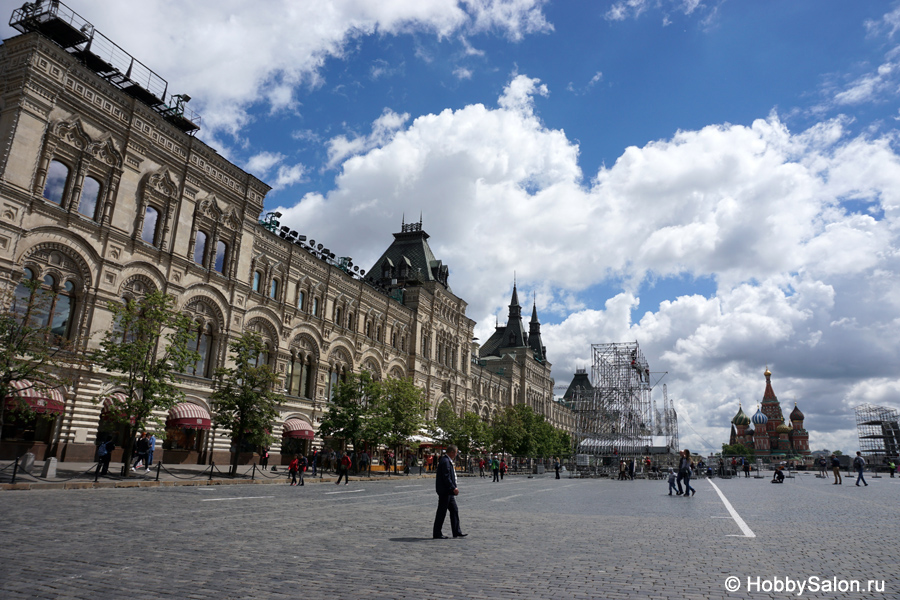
x=615 y=418
x=879 y=432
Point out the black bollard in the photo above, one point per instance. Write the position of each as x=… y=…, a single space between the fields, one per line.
x=158 y=467
x=97 y=472
x=253 y=473
x=15 y=470
x=212 y=466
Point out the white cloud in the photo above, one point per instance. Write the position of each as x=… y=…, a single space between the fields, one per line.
x=801 y=282
x=262 y=163
x=290 y=42
x=462 y=73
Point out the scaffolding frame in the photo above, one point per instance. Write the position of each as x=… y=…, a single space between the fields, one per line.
x=615 y=418
x=878 y=428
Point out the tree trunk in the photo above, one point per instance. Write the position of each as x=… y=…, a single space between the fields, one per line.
x=234 y=455
x=127 y=449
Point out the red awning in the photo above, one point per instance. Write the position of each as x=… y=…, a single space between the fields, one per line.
x=189 y=416
x=298 y=428
x=39 y=399
x=114 y=407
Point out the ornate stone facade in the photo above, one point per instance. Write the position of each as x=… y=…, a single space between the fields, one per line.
x=106 y=199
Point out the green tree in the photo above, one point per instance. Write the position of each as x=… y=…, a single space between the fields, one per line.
x=29 y=350
x=347 y=417
x=738 y=450
x=243 y=399
x=146 y=372
x=509 y=432
x=397 y=412
x=444 y=429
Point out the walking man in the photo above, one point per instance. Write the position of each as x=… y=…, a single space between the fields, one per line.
x=860 y=463
x=447 y=490
x=495 y=467
x=344 y=470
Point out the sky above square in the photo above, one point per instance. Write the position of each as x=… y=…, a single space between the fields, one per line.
x=718 y=180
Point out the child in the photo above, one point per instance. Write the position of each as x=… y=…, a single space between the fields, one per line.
x=671 y=480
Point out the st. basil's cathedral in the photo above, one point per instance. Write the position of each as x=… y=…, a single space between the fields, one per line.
x=767 y=432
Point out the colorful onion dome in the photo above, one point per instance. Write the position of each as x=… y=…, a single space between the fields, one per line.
x=783 y=428
x=759 y=418
x=796 y=415
x=740 y=418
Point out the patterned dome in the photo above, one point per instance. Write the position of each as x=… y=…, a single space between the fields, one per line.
x=783 y=428
x=796 y=415
x=740 y=418
x=759 y=418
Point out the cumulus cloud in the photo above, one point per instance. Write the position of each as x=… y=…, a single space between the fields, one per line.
x=625 y=9
x=226 y=79
x=797 y=230
x=263 y=165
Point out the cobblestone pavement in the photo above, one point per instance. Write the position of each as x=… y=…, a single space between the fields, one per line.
x=528 y=538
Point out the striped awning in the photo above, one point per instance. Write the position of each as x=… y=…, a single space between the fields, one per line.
x=114 y=407
x=299 y=429
x=189 y=416
x=37 y=397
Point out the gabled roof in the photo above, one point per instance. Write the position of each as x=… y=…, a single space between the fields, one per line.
x=581 y=380
x=511 y=336
x=411 y=255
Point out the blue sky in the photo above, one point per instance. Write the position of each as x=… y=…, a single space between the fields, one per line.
x=718 y=180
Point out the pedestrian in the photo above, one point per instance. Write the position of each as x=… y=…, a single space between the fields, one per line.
x=481 y=467
x=344 y=470
x=860 y=464
x=556 y=466
x=622 y=470
x=672 y=482
x=892 y=467
x=684 y=470
x=447 y=490
x=502 y=468
x=315 y=456
x=631 y=469
x=264 y=458
x=823 y=464
x=141 y=448
x=104 y=453
x=302 y=468
x=495 y=468
x=364 y=462
x=151 y=446
x=293 y=468
x=836 y=469
x=746 y=468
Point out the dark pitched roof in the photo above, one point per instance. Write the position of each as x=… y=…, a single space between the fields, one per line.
x=511 y=336
x=581 y=380
x=409 y=260
x=534 y=336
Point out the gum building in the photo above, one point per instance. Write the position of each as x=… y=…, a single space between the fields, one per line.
x=105 y=194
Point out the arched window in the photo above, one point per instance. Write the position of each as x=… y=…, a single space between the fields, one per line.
x=203 y=346
x=263 y=357
x=273 y=289
x=51 y=306
x=301 y=299
x=337 y=317
x=315 y=307
x=350 y=321
x=257 y=280
x=57 y=177
x=368 y=329
x=22 y=294
x=90 y=197
x=151 y=220
x=221 y=253
x=199 y=247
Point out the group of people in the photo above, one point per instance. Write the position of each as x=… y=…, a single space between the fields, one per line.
x=685 y=469
x=495 y=464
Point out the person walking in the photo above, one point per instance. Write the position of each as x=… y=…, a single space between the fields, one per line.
x=672 y=482
x=141 y=448
x=495 y=467
x=293 y=468
x=622 y=469
x=823 y=464
x=631 y=469
x=481 y=467
x=447 y=490
x=104 y=453
x=892 y=467
x=364 y=462
x=556 y=466
x=836 y=469
x=151 y=447
x=746 y=468
x=502 y=469
x=344 y=470
x=685 y=471
x=264 y=458
x=860 y=463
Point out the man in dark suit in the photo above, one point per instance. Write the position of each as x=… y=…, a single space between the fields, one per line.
x=445 y=484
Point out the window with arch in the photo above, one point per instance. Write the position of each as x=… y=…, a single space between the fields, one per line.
x=315 y=307
x=263 y=356
x=301 y=298
x=151 y=224
x=273 y=289
x=90 y=197
x=257 y=280
x=300 y=380
x=349 y=320
x=368 y=328
x=57 y=178
x=337 y=316
x=48 y=305
x=221 y=254
x=200 y=247
x=203 y=345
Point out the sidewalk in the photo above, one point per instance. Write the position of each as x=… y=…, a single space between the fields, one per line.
x=71 y=476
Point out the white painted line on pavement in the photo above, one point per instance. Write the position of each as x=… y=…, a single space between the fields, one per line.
x=228 y=499
x=346 y=492
x=411 y=485
x=545 y=490
x=734 y=515
x=506 y=498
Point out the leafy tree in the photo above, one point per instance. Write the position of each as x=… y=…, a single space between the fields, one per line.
x=244 y=401
x=347 y=415
x=29 y=350
x=509 y=431
x=397 y=412
x=146 y=373
x=738 y=450
x=444 y=429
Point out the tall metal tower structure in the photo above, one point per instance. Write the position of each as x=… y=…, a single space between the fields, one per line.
x=878 y=428
x=615 y=418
